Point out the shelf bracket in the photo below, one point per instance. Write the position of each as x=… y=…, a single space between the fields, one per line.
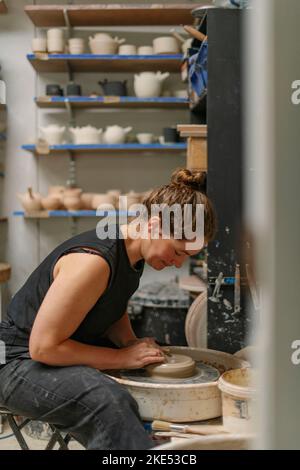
x=70 y=110
x=71 y=181
x=69 y=34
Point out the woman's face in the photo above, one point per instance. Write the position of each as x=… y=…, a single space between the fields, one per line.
x=162 y=253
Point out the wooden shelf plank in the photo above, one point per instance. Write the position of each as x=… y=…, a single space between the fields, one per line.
x=60 y=63
x=68 y=214
x=112 y=14
x=102 y=148
x=3 y=7
x=111 y=102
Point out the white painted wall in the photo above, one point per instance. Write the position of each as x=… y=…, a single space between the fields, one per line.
x=28 y=242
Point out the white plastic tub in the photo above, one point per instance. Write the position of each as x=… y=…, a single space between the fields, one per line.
x=238 y=400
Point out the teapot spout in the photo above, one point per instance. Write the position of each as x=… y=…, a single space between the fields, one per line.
x=162 y=76
x=127 y=129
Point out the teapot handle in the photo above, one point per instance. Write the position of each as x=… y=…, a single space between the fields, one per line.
x=29 y=190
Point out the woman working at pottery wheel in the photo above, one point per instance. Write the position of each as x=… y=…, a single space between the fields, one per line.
x=68 y=322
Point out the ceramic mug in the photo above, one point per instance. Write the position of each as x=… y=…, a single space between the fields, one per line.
x=145 y=50
x=127 y=49
x=145 y=138
x=39 y=44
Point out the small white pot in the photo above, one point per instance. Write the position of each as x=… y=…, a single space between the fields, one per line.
x=39 y=44
x=76 y=45
x=127 y=49
x=145 y=50
x=166 y=45
x=145 y=138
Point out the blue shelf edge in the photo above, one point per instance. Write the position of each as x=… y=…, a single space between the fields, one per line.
x=79 y=213
x=122 y=99
x=180 y=146
x=108 y=57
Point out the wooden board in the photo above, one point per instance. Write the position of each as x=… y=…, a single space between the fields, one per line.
x=112 y=102
x=112 y=14
x=62 y=63
x=192 y=130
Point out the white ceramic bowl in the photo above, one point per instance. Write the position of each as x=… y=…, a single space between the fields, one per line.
x=145 y=138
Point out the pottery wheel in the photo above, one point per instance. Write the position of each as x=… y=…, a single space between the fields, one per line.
x=176 y=366
x=202 y=373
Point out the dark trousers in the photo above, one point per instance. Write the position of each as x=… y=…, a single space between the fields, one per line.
x=96 y=410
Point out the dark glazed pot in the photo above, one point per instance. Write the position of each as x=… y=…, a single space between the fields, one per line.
x=73 y=89
x=54 y=90
x=114 y=88
x=171 y=135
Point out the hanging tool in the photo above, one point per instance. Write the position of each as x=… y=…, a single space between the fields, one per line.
x=237 y=290
x=216 y=293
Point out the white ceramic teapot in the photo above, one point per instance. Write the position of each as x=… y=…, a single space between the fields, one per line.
x=103 y=43
x=116 y=134
x=30 y=201
x=149 y=84
x=86 y=135
x=53 y=134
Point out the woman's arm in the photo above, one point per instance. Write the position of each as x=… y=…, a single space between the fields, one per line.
x=79 y=282
x=121 y=332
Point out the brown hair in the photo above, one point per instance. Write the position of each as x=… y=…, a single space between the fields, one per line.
x=186 y=187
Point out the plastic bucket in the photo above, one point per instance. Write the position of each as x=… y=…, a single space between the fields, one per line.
x=238 y=400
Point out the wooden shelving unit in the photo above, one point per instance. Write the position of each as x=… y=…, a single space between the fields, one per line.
x=112 y=14
x=3 y=7
x=111 y=102
x=103 y=149
x=83 y=63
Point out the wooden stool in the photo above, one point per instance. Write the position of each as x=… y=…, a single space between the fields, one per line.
x=16 y=429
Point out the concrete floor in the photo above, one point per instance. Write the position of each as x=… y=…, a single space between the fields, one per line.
x=34 y=444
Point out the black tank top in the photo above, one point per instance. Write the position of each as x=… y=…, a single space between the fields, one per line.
x=110 y=307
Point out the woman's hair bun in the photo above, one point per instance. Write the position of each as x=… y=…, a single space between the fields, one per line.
x=194 y=178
